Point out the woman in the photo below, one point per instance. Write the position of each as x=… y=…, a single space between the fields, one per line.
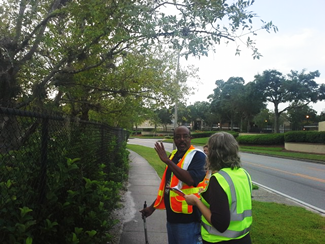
x=205 y=149
x=226 y=205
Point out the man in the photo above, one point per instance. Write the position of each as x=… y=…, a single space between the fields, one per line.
x=185 y=171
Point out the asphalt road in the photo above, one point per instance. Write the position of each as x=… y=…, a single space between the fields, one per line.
x=300 y=181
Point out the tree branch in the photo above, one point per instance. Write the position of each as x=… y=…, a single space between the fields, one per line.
x=20 y=20
x=40 y=28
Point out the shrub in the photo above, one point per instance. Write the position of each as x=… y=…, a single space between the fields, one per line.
x=69 y=200
x=269 y=139
x=76 y=209
x=315 y=137
x=295 y=136
x=305 y=136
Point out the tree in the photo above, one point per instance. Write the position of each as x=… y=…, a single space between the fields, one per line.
x=225 y=100
x=249 y=103
x=140 y=80
x=236 y=102
x=263 y=119
x=321 y=95
x=321 y=117
x=164 y=116
x=300 y=115
x=42 y=43
x=199 y=113
x=58 y=52
x=279 y=89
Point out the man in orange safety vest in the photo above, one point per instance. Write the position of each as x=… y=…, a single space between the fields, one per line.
x=185 y=170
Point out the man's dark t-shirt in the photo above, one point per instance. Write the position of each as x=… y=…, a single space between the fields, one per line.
x=196 y=170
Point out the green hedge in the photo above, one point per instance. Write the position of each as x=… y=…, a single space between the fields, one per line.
x=305 y=136
x=280 y=138
x=264 y=139
x=234 y=133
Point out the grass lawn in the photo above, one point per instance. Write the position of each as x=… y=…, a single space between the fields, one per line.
x=273 y=223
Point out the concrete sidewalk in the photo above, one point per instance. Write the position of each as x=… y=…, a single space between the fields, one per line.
x=143 y=186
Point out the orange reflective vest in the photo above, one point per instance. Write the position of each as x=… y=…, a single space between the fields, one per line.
x=178 y=203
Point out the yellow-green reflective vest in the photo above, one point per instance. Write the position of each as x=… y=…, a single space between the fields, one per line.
x=237 y=184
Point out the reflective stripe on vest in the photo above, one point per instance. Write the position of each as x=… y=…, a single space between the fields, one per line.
x=234 y=216
x=160 y=203
x=186 y=163
x=178 y=203
x=227 y=233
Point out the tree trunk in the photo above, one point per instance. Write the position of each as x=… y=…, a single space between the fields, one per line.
x=276 y=119
x=231 y=125
x=241 y=125
x=248 y=126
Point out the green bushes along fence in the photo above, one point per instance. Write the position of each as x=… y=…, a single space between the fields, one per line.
x=59 y=178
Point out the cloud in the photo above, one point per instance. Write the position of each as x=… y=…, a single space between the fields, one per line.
x=288 y=40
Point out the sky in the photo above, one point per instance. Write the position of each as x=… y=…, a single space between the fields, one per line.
x=298 y=45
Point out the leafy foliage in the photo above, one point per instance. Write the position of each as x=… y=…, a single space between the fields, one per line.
x=300 y=115
x=279 y=89
x=82 y=56
x=269 y=139
x=233 y=101
x=60 y=199
x=164 y=116
x=305 y=136
x=201 y=111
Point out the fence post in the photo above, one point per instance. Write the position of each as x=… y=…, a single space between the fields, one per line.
x=44 y=147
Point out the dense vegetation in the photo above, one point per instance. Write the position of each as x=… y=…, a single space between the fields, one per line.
x=65 y=190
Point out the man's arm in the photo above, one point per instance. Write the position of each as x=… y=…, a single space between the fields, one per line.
x=180 y=173
x=146 y=212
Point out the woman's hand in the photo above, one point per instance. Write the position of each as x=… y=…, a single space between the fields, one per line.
x=192 y=199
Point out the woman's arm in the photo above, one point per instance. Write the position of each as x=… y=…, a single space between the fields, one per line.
x=218 y=215
x=194 y=200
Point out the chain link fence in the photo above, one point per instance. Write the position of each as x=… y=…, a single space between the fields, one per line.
x=59 y=177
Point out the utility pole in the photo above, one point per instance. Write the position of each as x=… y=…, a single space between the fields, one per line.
x=176 y=97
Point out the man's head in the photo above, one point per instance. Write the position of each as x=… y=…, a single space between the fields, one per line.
x=182 y=138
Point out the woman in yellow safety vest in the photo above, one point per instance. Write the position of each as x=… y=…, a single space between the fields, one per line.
x=226 y=204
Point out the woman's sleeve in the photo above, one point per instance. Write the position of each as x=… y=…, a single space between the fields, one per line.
x=219 y=207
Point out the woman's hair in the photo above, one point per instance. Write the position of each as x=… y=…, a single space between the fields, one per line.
x=223 y=152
